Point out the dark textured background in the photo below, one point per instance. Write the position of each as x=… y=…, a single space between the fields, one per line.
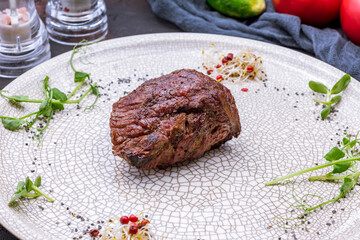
x=126 y=18
x=327 y=44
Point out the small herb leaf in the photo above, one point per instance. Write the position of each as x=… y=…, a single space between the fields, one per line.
x=341 y=167
x=345 y=141
x=353 y=143
x=346 y=186
x=334 y=154
x=18 y=195
x=81 y=76
x=335 y=99
x=59 y=95
x=19 y=98
x=341 y=84
x=28 y=184
x=31 y=195
x=20 y=186
x=57 y=106
x=48 y=111
x=46 y=84
x=325 y=112
x=318 y=87
x=94 y=90
x=43 y=104
x=12 y=123
x=37 y=182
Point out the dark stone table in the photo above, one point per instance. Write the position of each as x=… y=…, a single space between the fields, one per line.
x=126 y=18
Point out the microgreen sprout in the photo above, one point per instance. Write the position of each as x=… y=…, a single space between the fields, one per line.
x=301 y=204
x=336 y=89
x=29 y=189
x=343 y=161
x=53 y=100
x=80 y=77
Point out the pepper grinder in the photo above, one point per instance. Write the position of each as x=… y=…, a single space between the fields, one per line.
x=70 y=21
x=23 y=38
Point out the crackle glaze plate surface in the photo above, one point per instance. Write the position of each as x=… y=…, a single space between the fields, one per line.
x=219 y=196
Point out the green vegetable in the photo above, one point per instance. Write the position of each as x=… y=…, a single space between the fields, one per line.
x=341 y=159
x=12 y=123
x=81 y=76
x=341 y=84
x=78 y=76
x=318 y=87
x=24 y=189
x=336 y=89
x=239 y=8
x=54 y=100
x=59 y=95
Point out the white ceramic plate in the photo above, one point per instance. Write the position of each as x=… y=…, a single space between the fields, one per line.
x=219 y=196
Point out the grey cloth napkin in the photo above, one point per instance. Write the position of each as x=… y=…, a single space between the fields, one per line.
x=328 y=45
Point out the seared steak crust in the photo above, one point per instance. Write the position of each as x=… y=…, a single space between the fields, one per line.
x=173 y=118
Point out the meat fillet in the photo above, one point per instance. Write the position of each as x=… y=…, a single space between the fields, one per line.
x=173 y=118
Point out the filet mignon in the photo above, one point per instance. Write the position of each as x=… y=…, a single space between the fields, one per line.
x=173 y=118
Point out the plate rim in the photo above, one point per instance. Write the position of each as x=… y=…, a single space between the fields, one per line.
x=164 y=35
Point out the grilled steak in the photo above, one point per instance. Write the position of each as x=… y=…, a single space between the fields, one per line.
x=173 y=118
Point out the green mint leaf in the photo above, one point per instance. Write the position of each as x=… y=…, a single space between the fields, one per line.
x=341 y=167
x=57 y=106
x=345 y=141
x=335 y=99
x=346 y=186
x=318 y=87
x=334 y=154
x=59 y=95
x=19 y=98
x=81 y=76
x=325 y=112
x=37 y=182
x=341 y=84
x=12 y=124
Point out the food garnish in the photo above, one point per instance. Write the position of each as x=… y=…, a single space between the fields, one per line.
x=24 y=189
x=342 y=159
x=128 y=227
x=53 y=101
x=336 y=89
x=240 y=66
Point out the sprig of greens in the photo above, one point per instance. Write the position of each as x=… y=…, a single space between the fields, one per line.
x=79 y=77
x=336 y=89
x=342 y=159
x=54 y=100
x=24 y=189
